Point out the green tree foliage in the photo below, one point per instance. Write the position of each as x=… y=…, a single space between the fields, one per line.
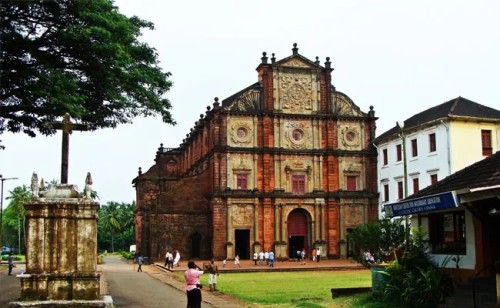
x=80 y=57
x=381 y=238
x=116 y=221
x=13 y=218
x=414 y=279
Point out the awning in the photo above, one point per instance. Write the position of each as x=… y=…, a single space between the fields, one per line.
x=420 y=205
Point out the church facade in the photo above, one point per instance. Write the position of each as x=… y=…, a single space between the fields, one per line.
x=285 y=164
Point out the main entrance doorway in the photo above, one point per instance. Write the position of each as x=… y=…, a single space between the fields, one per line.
x=242 y=245
x=298 y=232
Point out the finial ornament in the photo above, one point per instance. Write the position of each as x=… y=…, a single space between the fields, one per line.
x=264 y=58
x=35 y=190
x=88 y=186
x=295 y=49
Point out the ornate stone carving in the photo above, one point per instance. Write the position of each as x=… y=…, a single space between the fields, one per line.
x=350 y=136
x=242 y=215
x=296 y=91
x=296 y=63
x=353 y=215
x=247 y=101
x=34 y=186
x=241 y=133
x=343 y=105
x=88 y=186
x=297 y=135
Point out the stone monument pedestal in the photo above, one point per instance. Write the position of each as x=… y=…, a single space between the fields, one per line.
x=61 y=251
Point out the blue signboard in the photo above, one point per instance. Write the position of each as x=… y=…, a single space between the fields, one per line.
x=425 y=204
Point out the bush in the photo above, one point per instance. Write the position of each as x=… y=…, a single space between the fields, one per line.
x=378 y=240
x=16 y=257
x=415 y=280
x=127 y=255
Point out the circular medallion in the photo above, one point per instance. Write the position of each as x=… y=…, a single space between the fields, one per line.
x=297 y=92
x=350 y=137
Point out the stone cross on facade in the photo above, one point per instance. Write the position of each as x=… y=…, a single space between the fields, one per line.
x=67 y=128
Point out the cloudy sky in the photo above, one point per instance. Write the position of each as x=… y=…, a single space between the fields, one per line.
x=401 y=57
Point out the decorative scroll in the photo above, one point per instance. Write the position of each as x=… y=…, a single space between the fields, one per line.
x=343 y=105
x=247 y=101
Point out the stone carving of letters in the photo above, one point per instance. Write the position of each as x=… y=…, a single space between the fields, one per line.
x=296 y=91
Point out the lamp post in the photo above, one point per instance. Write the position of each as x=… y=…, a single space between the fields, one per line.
x=2 y=179
x=400 y=126
x=405 y=166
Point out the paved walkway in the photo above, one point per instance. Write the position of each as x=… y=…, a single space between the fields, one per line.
x=10 y=286
x=157 y=287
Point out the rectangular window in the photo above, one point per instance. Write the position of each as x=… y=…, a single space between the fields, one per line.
x=400 y=190
x=434 y=178
x=415 y=185
x=384 y=155
x=386 y=192
x=241 y=181
x=398 y=152
x=486 y=142
x=447 y=233
x=352 y=183
x=414 y=149
x=432 y=142
x=298 y=184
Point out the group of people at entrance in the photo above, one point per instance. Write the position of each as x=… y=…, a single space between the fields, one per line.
x=264 y=258
x=302 y=254
x=171 y=259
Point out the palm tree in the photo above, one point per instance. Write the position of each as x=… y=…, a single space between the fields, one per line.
x=111 y=220
x=18 y=197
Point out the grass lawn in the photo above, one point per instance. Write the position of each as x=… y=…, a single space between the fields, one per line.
x=295 y=289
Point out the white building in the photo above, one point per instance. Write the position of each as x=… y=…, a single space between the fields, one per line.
x=437 y=142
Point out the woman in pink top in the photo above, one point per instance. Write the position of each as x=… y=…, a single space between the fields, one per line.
x=193 y=286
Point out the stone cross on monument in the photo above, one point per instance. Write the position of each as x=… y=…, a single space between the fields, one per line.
x=67 y=128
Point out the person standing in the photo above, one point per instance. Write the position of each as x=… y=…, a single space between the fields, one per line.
x=11 y=263
x=255 y=257
x=193 y=286
x=170 y=260
x=261 y=258
x=166 y=259
x=177 y=258
x=313 y=254
x=271 y=259
x=140 y=259
x=237 y=260
x=318 y=254
x=213 y=272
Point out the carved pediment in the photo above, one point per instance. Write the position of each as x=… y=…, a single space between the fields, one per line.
x=249 y=100
x=343 y=105
x=297 y=62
